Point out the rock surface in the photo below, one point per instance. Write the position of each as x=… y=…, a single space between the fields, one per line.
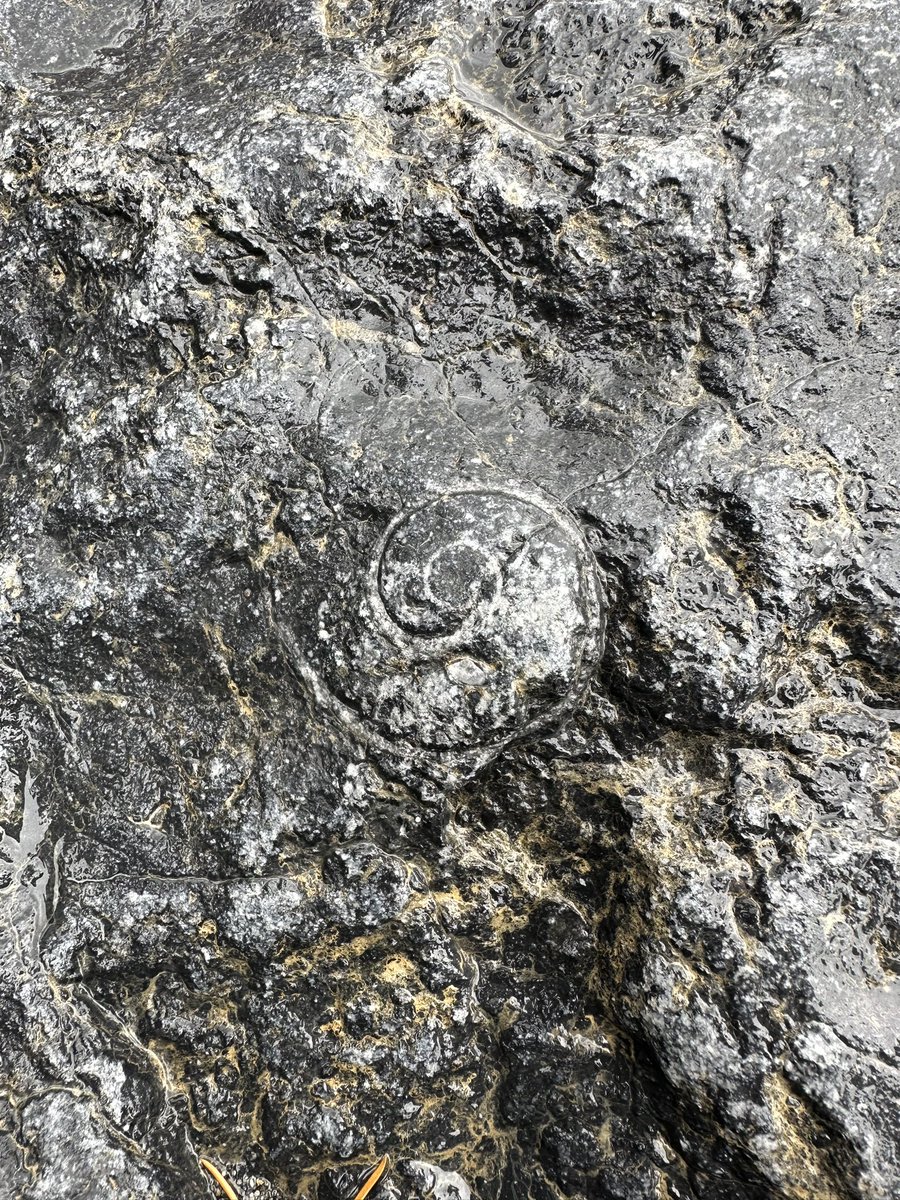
x=450 y=598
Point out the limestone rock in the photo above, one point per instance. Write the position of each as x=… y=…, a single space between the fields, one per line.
x=450 y=599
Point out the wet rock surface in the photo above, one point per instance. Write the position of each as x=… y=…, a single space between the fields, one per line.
x=450 y=599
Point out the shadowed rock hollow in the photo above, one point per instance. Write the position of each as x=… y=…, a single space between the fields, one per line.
x=450 y=599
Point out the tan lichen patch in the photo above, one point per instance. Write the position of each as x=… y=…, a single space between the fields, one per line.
x=807 y=1173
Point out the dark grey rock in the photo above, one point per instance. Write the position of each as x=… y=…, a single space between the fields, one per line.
x=450 y=599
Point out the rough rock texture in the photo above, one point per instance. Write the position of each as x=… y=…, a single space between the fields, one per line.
x=450 y=598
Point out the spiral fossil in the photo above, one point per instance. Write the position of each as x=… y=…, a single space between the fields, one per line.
x=481 y=616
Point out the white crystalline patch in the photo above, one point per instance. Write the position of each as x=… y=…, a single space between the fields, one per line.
x=468 y=671
x=440 y=1183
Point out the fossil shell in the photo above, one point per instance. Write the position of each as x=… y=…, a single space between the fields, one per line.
x=482 y=617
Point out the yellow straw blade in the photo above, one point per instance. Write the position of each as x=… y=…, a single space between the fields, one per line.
x=220 y=1179
x=376 y=1174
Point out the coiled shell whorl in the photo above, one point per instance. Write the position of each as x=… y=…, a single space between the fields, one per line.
x=481 y=618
